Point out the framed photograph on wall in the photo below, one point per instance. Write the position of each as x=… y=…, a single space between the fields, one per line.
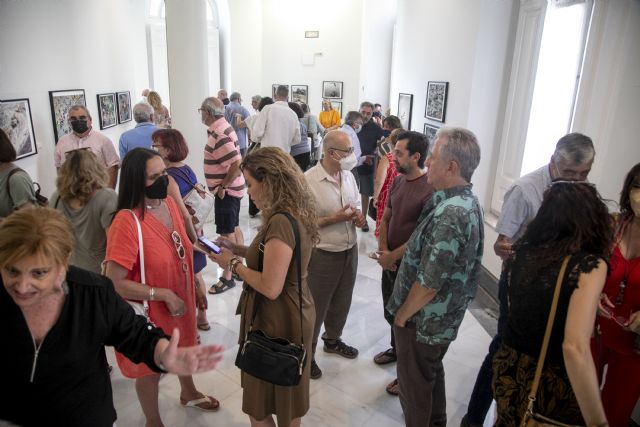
x=430 y=131
x=337 y=105
x=300 y=93
x=124 y=106
x=15 y=121
x=405 y=105
x=436 y=101
x=60 y=101
x=274 y=87
x=107 y=110
x=332 y=90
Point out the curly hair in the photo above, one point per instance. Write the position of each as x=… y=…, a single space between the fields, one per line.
x=625 y=205
x=285 y=187
x=80 y=176
x=154 y=100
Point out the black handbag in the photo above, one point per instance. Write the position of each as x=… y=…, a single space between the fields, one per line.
x=275 y=360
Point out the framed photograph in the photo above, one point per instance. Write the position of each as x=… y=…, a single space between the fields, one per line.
x=300 y=93
x=332 y=90
x=274 y=87
x=107 y=110
x=436 y=101
x=405 y=104
x=124 y=106
x=15 y=121
x=60 y=101
x=430 y=131
x=337 y=105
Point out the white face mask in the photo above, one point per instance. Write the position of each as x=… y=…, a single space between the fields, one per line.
x=349 y=162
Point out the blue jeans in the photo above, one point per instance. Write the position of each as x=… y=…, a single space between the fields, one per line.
x=482 y=394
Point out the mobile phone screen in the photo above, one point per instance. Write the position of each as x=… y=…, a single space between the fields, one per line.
x=209 y=244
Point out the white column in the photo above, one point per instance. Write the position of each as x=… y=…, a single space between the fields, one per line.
x=188 y=67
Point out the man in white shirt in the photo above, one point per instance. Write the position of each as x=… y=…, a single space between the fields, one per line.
x=334 y=261
x=277 y=125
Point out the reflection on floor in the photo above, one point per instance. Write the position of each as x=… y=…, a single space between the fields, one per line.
x=350 y=392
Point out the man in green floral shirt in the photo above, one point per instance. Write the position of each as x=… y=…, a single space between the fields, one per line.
x=438 y=277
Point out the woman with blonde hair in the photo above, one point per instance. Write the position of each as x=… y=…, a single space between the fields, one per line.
x=161 y=117
x=329 y=118
x=279 y=189
x=83 y=196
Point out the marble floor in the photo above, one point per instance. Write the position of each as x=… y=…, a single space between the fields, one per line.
x=350 y=392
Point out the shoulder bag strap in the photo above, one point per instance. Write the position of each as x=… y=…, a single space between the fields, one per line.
x=298 y=256
x=547 y=335
x=184 y=176
x=143 y=279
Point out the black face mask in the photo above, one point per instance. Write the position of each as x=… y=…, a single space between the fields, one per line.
x=158 y=190
x=386 y=133
x=79 y=126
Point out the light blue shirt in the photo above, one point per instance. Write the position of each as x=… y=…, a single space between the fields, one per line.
x=355 y=142
x=230 y=111
x=139 y=136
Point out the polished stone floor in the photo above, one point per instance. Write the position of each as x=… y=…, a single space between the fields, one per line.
x=350 y=392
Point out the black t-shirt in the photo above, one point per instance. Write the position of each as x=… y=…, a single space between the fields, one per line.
x=368 y=136
x=531 y=284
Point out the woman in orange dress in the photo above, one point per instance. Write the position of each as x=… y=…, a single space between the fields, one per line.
x=168 y=288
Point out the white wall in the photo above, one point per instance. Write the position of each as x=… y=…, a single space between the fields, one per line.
x=68 y=44
x=246 y=49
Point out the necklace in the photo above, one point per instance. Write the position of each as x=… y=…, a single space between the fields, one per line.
x=152 y=207
x=627 y=262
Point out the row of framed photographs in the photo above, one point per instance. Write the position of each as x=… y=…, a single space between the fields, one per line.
x=300 y=93
x=435 y=108
x=16 y=120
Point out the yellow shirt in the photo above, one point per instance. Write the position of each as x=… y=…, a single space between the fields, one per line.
x=330 y=118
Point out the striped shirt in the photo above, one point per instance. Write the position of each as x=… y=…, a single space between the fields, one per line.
x=220 y=153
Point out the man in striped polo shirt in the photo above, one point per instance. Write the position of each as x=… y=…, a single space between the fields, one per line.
x=224 y=178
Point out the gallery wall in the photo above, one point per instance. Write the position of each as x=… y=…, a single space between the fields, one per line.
x=68 y=44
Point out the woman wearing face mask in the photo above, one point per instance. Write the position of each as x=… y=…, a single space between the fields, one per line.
x=618 y=345
x=168 y=264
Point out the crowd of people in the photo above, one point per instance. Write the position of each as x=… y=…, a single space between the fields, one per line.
x=124 y=268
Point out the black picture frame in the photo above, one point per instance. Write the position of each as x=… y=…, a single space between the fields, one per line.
x=274 y=87
x=60 y=101
x=124 y=106
x=337 y=105
x=299 y=93
x=436 y=106
x=17 y=124
x=107 y=110
x=405 y=107
x=332 y=89
x=430 y=132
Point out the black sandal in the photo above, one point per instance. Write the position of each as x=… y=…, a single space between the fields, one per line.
x=223 y=285
x=384 y=357
x=340 y=348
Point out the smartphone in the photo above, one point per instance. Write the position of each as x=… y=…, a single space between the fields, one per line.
x=209 y=244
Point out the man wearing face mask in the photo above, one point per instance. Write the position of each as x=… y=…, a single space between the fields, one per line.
x=571 y=161
x=83 y=136
x=334 y=261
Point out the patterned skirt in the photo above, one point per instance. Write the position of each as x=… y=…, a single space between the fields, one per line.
x=513 y=374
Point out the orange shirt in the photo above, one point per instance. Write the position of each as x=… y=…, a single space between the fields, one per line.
x=330 y=118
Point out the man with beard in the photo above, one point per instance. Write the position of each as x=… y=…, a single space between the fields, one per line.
x=368 y=136
x=407 y=196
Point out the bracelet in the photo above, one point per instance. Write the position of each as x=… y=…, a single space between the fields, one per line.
x=233 y=265
x=152 y=293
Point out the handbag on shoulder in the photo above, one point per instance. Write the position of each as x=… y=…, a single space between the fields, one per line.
x=275 y=360
x=40 y=199
x=198 y=201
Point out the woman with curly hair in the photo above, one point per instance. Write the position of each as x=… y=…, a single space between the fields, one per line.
x=276 y=185
x=572 y=222
x=161 y=117
x=83 y=196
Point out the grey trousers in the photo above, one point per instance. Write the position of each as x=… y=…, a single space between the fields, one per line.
x=331 y=278
x=421 y=379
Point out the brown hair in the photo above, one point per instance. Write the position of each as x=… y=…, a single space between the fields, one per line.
x=154 y=100
x=80 y=176
x=173 y=141
x=43 y=232
x=285 y=187
x=7 y=151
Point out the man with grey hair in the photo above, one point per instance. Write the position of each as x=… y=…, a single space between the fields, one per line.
x=571 y=161
x=234 y=113
x=139 y=136
x=255 y=102
x=222 y=96
x=277 y=125
x=437 y=277
x=369 y=136
x=352 y=125
x=84 y=136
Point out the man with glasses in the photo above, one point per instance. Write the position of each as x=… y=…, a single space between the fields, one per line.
x=334 y=261
x=571 y=161
x=83 y=135
x=224 y=178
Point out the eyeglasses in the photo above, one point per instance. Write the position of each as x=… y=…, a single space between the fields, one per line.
x=349 y=151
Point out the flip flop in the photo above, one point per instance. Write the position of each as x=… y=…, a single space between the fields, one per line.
x=384 y=357
x=205 y=403
x=393 y=388
x=223 y=285
x=204 y=326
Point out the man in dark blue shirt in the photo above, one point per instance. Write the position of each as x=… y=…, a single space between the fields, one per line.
x=369 y=135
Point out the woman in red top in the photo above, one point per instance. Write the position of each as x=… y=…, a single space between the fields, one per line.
x=168 y=264
x=385 y=174
x=619 y=320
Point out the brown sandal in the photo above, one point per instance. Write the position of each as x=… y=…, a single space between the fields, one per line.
x=393 y=388
x=205 y=403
